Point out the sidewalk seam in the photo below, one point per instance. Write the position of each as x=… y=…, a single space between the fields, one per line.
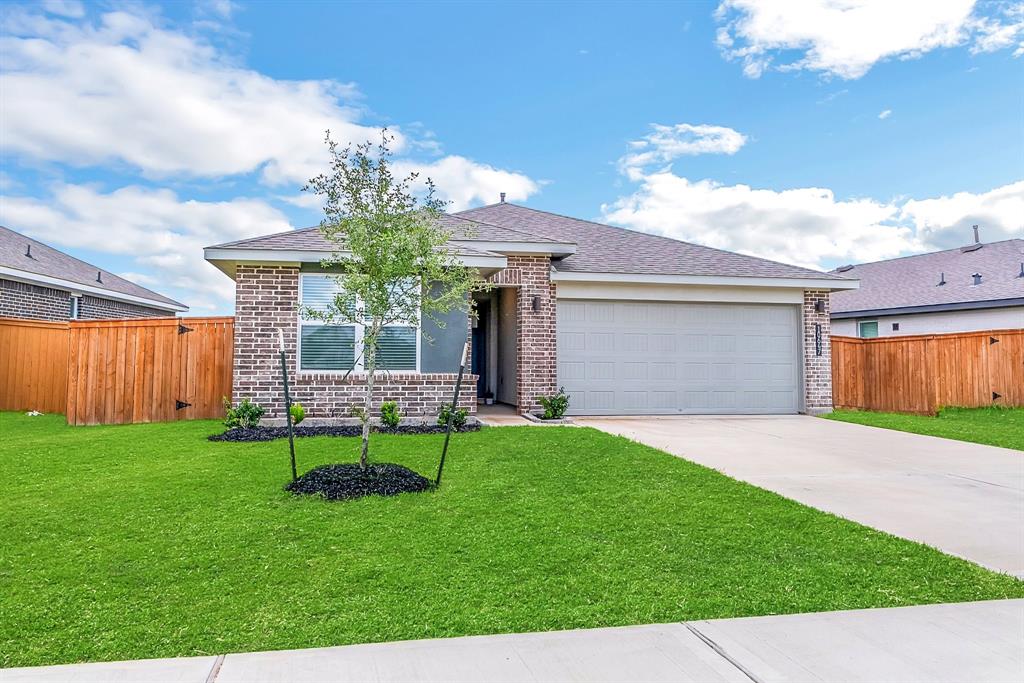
x=215 y=669
x=720 y=651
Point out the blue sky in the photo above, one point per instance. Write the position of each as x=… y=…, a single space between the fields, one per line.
x=134 y=134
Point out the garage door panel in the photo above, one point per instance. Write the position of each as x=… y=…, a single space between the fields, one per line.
x=672 y=358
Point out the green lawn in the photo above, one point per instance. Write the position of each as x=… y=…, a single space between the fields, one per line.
x=993 y=426
x=149 y=541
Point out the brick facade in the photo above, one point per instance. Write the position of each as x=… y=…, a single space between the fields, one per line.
x=22 y=300
x=34 y=302
x=95 y=308
x=817 y=369
x=536 y=366
x=267 y=299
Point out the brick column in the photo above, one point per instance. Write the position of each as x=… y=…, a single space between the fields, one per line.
x=536 y=369
x=266 y=299
x=817 y=369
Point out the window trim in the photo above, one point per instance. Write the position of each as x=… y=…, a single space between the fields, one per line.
x=357 y=344
x=863 y=322
x=76 y=307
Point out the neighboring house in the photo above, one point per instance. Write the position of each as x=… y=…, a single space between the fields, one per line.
x=41 y=283
x=627 y=322
x=977 y=287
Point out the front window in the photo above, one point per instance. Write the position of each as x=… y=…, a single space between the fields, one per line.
x=338 y=347
x=868 y=329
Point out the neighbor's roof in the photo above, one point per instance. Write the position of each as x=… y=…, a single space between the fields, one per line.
x=606 y=249
x=913 y=281
x=52 y=264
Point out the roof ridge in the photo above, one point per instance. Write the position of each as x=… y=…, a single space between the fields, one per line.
x=661 y=237
x=933 y=253
x=500 y=227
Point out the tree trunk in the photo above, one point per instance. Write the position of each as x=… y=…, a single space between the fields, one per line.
x=370 y=358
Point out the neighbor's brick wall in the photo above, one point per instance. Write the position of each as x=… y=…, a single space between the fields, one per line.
x=22 y=300
x=536 y=368
x=817 y=369
x=95 y=308
x=266 y=299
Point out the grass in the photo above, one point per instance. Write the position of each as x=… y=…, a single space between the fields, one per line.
x=993 y=426
x=150 y=541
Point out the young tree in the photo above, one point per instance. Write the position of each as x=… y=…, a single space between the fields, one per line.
x=392 y=252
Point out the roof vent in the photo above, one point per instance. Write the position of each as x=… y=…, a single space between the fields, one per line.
x=843 y=269
x=502 y=197
x=942 y=279
x=28 y=251
x=977 y=240
x=977 y=278
x=1021 y=273
x=99 y=277
x=971 y=247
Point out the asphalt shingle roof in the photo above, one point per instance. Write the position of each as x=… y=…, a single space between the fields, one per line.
x=599 y=248
x=46 y=260
x=913 y=280
x=607 y=249
x=311 y=239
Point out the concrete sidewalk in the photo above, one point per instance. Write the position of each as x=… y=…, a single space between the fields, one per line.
x=965 y=499
x=979 y=641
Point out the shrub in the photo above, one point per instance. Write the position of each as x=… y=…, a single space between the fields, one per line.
x=458 y=417
x=246 y=415
x=389 y=415
x=555 y=406
x=298 y=413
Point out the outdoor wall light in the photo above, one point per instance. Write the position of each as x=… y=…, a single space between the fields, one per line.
x=819 y=306
x=536 y=303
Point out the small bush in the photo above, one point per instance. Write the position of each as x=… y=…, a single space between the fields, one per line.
x=358 y=412
x=389 y=415
x=554 y=406
x=298 y=413
x=458 y=417
x=246 y=415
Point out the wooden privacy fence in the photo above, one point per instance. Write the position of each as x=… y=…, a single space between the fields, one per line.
x=118 y=371
x=33 y=365
x=922 y=373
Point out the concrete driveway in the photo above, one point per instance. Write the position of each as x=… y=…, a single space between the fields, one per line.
x=963 y=498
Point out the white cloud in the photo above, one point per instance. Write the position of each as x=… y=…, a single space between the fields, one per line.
x=64 y=8
x=945 y=222
x=163 y=235
x=884 y=114
x=667 y=143
x=171 y=105
x=847 y=38
x=464 y=182
x=804 y=226
x=810 y=226
x=162 y=102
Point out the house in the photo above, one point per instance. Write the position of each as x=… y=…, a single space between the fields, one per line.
x=976 y=287
x=39 y=282
x=627 y=322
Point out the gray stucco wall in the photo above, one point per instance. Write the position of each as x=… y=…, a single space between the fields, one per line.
x=945 y=322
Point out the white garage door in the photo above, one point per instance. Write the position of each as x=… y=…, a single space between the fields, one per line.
x=632 y=357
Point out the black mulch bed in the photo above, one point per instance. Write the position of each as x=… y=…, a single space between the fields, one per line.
x=344 y=482
x=271 y=433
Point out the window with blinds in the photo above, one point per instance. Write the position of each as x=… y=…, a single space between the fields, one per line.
x=338 y=347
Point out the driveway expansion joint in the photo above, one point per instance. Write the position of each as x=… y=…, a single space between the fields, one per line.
x=720 y=651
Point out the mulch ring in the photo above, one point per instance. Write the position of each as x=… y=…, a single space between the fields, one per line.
x=344 y=482
x=271 y=433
